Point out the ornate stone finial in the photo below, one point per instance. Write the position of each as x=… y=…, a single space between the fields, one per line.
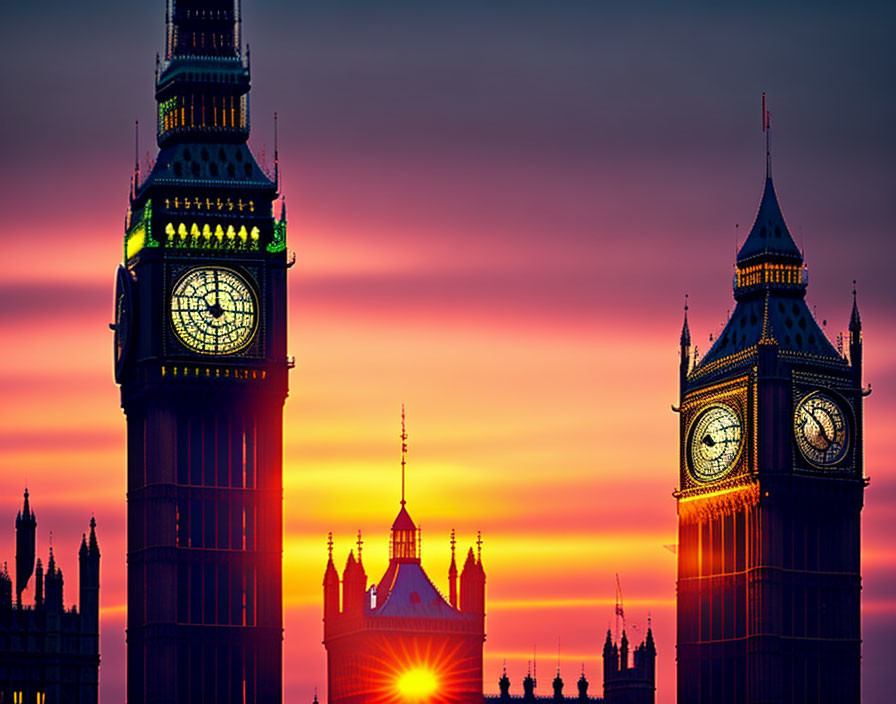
x=479 y=545
x=453 y=543
x=360 y=544
x=330 y=544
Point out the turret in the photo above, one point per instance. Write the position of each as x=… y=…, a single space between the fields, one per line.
x=685 y=363
x=331 y=585
x=472 y=586
x=650 y=655
x=504 y=686
x=452 y=574
x=611 y=657
x=89 y=580
x=54 y=585
x=529 y=688
x=39 y=585
x=354 y=586
x=5 y=591
x=855 y=338
x=558 y=688
x=26 y=530
x=582 y=684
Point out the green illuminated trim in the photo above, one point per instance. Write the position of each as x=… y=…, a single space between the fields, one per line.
x=140 y=234
x=278 y=244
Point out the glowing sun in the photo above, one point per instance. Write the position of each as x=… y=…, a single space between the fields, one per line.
x=417 y=684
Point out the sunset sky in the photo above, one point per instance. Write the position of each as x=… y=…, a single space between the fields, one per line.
x=497 y=209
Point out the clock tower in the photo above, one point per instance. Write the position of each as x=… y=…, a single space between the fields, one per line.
x=770 y=493
x=200 y=355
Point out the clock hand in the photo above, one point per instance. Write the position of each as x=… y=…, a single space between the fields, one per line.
x=821 y=429
x=708 y=441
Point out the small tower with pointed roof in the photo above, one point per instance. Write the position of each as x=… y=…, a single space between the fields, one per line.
x=402 y=623
x=26 y=535
x=89 y=581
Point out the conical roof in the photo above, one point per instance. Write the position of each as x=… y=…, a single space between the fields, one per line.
x=770 y=289
x=769 y=235
x=403 y=520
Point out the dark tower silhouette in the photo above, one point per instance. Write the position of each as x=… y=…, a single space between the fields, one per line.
x=89 y=595
x=26 y=532
x=625 y=681
x=200 y=351
x=49 y=653
x=771 y=493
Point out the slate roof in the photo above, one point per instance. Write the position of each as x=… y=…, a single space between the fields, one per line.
x=787 y=320
x=769 y=234
x=204 y=164
x=768 y=311
x=410 y=594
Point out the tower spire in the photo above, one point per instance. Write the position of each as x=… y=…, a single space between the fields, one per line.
x=855 y=320
x=685 y=329
x=404 y=452
x=276 y=153
x=767 y=128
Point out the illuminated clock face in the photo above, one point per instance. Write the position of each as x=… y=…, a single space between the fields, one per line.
x=715 y=441
x=214 y=311
x=820 y=429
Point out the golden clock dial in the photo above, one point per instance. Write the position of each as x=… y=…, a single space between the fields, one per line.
x=715 y=441
x=214 y=311
x=820 y=428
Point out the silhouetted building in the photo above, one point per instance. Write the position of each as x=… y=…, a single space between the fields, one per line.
x=626 y=681
x=49 y=653
x=771 y=490
x=401 y=638
x=200 y=354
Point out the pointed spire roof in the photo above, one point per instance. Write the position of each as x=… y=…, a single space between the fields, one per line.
x=83 y=549
x=403 y=521
x=452 y=568
x=855 y=321
x=92 y=542
x=26 y=516
x=470 y=562
x=685 y=330
x=769 y=236
x=330 y=573
x=350 y=564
